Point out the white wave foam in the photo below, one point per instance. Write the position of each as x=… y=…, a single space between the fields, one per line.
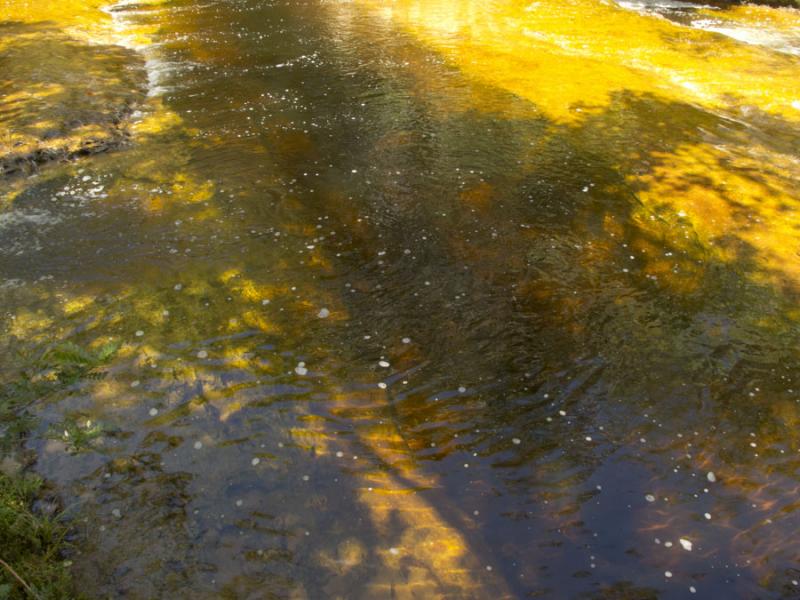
x=15 y=218
x=156 y=68
x=656 y=5
x=761 y=36
x=750 y=35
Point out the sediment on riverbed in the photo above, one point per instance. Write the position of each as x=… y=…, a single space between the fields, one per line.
x=61 y=95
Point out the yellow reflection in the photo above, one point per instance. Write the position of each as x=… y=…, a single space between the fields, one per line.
x=71 y=78
x=157 y=120
x=88 y=19
x=80 y=12
x=644 y=94
x=569 y=57
x=739 y=205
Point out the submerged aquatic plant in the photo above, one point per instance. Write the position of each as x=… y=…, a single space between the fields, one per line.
x=77 y=437
x=71 y=363
x=57 y=368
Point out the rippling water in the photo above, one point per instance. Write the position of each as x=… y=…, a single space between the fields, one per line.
x=429 y=299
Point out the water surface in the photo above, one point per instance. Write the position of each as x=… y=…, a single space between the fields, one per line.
x=448 y=299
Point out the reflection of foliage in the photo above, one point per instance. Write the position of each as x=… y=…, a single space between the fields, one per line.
x=13 y=425
x=30 y=544
x=15 y=398
x=568 y=301
x=77 y=438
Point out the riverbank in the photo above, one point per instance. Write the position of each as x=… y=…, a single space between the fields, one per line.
x=67 y=90
x=32 y=528
x=32 y=534
x=31 y=565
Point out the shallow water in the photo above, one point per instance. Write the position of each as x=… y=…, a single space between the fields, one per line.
x=428 y=299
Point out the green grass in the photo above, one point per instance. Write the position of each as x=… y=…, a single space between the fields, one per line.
x=30 y=545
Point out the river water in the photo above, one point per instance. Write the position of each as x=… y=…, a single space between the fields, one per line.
x=430 y=299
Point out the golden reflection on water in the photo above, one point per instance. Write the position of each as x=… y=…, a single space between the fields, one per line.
x=574 y=61
x=568 y=58
x=71 y=81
